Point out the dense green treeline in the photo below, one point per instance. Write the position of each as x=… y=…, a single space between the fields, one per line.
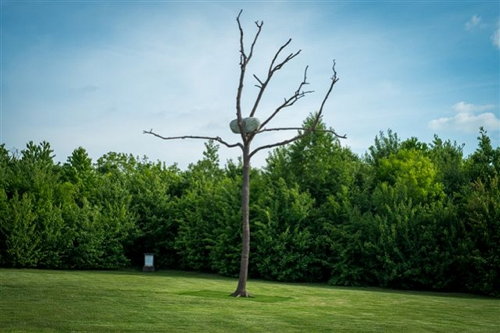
x=408 y=214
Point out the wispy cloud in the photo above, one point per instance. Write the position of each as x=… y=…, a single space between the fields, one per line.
x=495 y=37
x=473 y=22
x=469 y=118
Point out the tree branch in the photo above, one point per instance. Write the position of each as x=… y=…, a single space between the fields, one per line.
x=334 y=80
x=259 y=28
x=281 y=143
x=287 y=59
x=303 y=129
x=242 y=74
x=215 y=138
x=242 y=48
x=244 y=60
x=271 y=66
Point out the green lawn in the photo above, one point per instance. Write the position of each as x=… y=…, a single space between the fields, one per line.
x=172 y=301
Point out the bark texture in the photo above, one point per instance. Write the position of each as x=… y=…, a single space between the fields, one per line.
x=241 y=289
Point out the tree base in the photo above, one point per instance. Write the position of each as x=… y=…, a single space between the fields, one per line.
x=242 y=293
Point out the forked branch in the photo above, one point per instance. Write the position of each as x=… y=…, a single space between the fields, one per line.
x=244 y=57
x=272 y=69
x=306 y=131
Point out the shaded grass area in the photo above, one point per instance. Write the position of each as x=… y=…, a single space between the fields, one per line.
x=173 y=301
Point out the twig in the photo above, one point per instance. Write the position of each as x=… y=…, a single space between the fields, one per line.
x=258 y=80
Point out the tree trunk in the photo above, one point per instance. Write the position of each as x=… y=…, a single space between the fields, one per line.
x=241 y=290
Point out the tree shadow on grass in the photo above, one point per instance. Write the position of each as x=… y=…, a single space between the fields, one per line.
x=225 y=295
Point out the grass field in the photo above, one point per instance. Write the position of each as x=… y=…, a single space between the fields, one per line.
x=172 y=301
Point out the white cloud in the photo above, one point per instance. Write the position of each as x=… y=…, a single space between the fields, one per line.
x=473 y=22
x=464 y=107
x=467 y=119
x=495 y=38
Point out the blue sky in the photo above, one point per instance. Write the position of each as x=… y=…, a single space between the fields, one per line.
x=96 y=73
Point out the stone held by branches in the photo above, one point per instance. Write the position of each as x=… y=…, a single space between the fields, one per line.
x=250 y=124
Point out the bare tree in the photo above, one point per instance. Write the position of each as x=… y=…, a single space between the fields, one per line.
x=248 y=133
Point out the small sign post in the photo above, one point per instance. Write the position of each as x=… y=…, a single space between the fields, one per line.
x=148 y=262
